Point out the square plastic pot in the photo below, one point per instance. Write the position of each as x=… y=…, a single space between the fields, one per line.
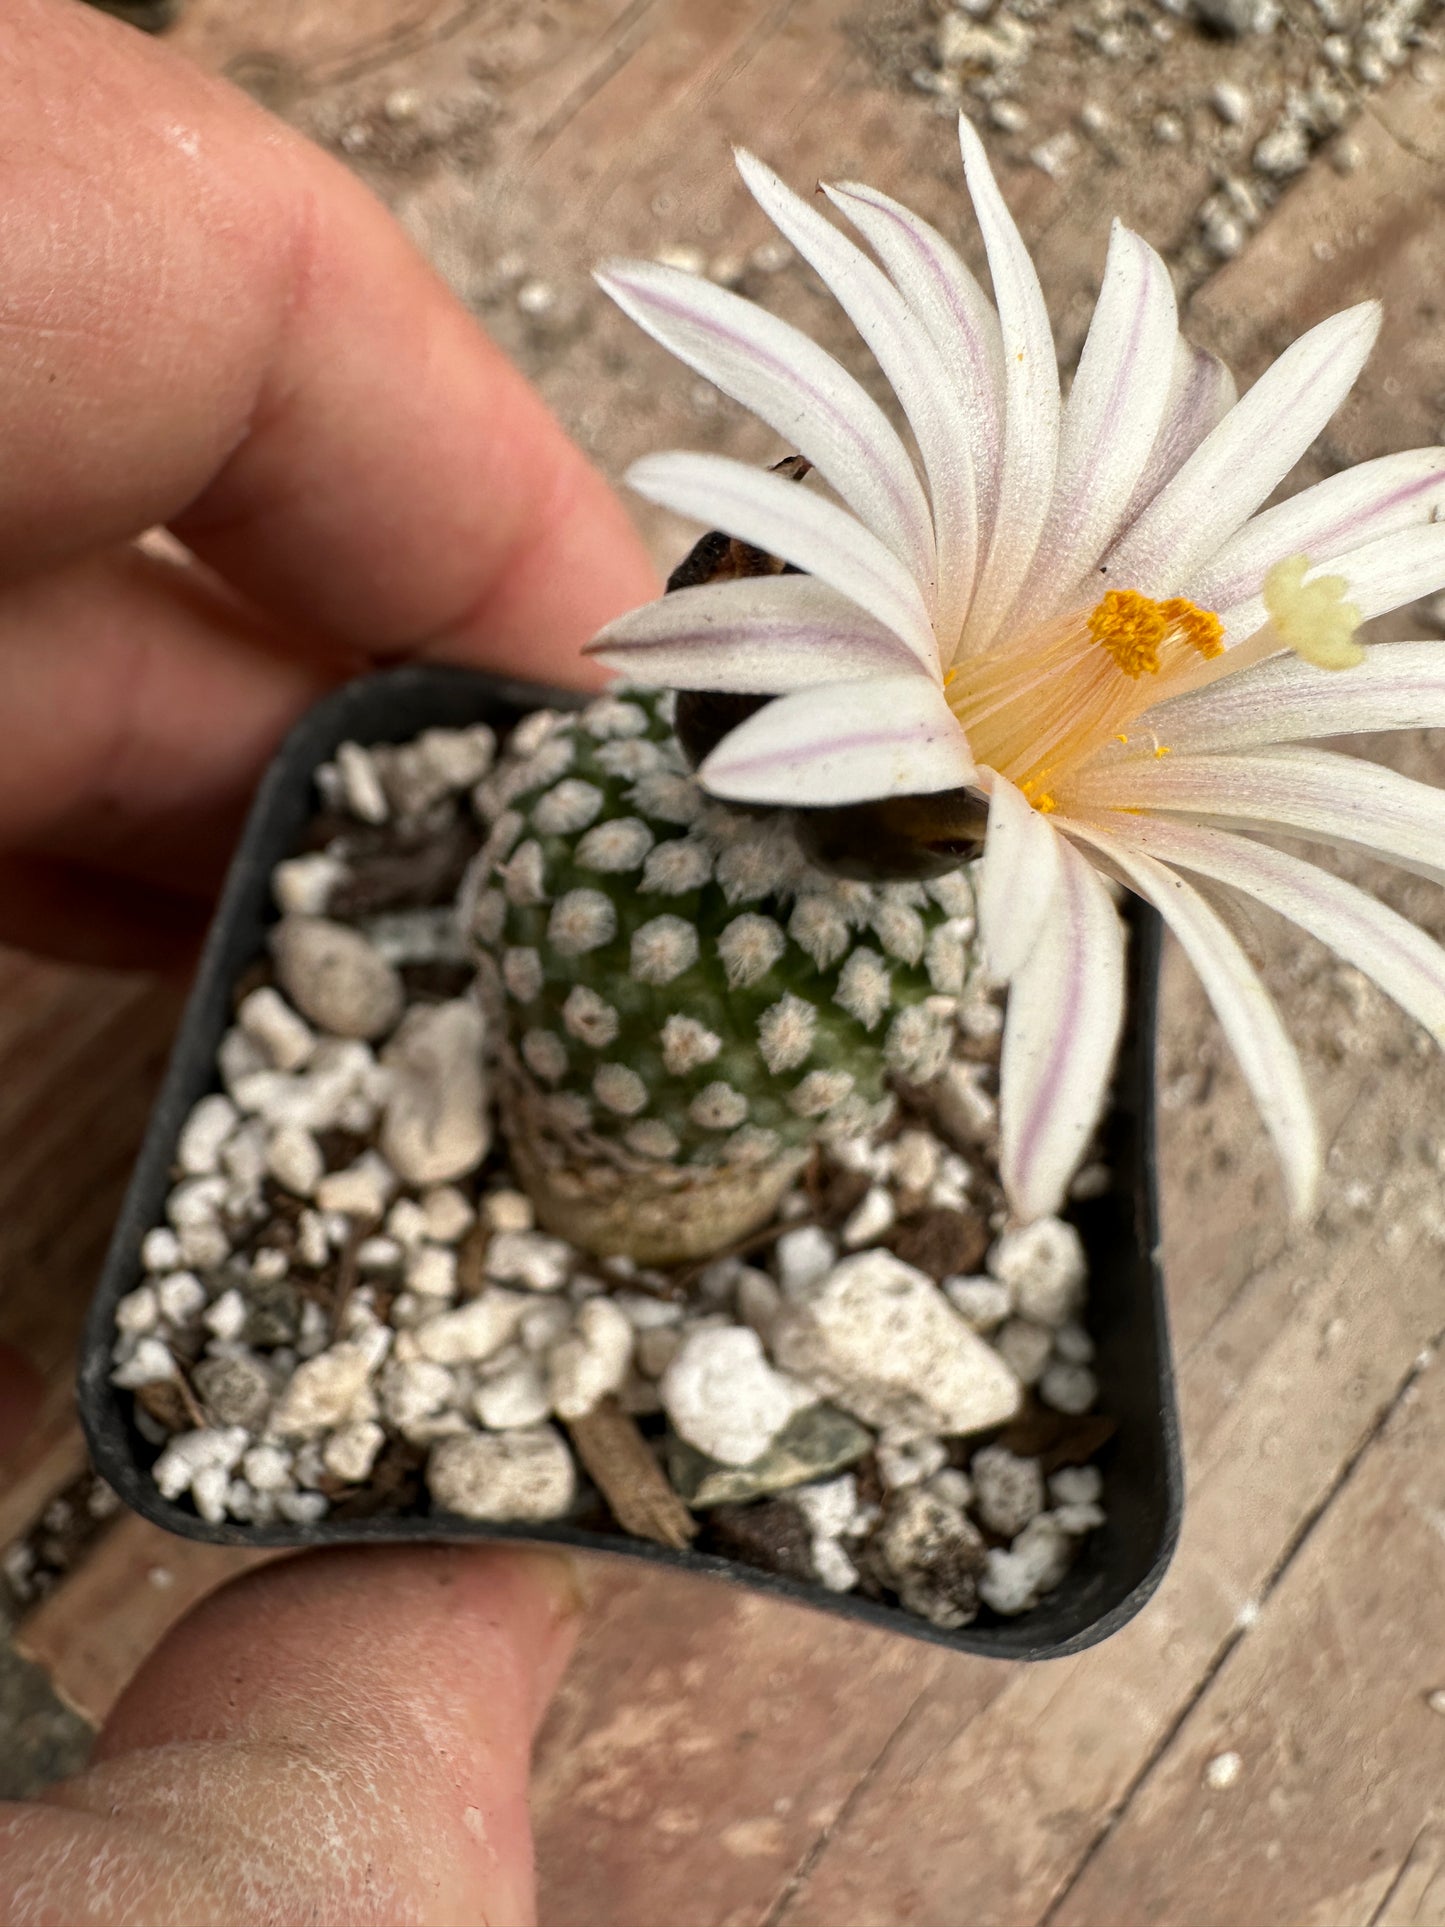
x=1119 y=1565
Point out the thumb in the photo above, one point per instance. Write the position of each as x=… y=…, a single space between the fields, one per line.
x=343 y=1737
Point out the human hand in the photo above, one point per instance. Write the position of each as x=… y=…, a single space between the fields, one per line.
x=207 y=324
x=341 y=1738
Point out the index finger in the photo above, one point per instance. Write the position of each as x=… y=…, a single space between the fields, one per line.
x=206 y=322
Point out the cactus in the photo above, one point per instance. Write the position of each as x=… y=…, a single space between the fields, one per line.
x=685 y=1003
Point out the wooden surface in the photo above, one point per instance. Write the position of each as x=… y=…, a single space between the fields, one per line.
x=714 y=1761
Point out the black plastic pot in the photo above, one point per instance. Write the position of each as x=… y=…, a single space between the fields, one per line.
x=1118 y=1567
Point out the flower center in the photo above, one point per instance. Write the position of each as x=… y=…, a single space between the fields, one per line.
x=1038 y=708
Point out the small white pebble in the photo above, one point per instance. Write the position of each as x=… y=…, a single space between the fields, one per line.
x=474 y=1330
x=1024 y=1348
x=871 y=1218
x=160 y=1249
x=283 y=1034
x=914 y=1159
x=1436 y=1700
x=591 y=1362
x=758 y=1301
x=980 y=1302
x=514 y=1396
x=407 y=1222
x=1069 y=1388
x=204 y=1246
x=312 y=1246
x=804 y=1257
x=180 y=1296
x=508 y=1211
x=1230 y=102
x=351 y=1452
x=267 y=1468
x=303 y=1508
x=302 y=885
x=211 y=1122
x=1076 y=1520
x=1073 y=1344
x=542 y=1324
x=1043 y=1264
x=148 y=1364
x=361 y=783
x=910 y=1462
x=227 y=1317
x=138 y=1311
x=448 y=1214
x=363 y=1190
x=1223 y=1771
x=953 y=1486
x=528 y=1258
x=1008 y=1489
x=830 y=1508
x=379 y=1254
x=836 y=1571
x=209 y=1487
x=1076 y=1485
x=294 y=1160
x=431 y=1271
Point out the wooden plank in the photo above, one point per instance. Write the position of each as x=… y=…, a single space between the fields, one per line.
x=92 y=1633
x=1417 y=1897
x=52 y=1456
x=986 y=1817
x=1325 y=1707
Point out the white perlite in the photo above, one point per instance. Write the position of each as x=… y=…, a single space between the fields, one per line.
x=323 y=1389
x=529 y=1258
x=286 y=1038
x=1043 y=1265
x=475 y=1330
x=880 y=1338
x=513 y=1395
x=1008 y=1490
x=333 y=976
x=526 y=1474
x=592 y=1361
x=437 y=1124
x=722 y=1395
x=198 y=1149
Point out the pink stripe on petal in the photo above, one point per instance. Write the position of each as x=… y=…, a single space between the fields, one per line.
x=1325 y=522
x=1399 y=685
x=844 y=743
x=790 y=383
x=1253 y=448
x=1061 y=1033
x=1246 y=1014
x=758 y=636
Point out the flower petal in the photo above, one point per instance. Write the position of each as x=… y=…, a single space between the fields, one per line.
x=1313 y=793
x=1031 y=403
x=959 y=316
x=1399 y=685
x=1018 y=875
x=1325 y=522
x=1403 y=961
x=1201 y=393
x=846 y=742
x=1061 y=1032
x=786 y=519
x=905 y=351
x=1251 y=451
x=801 y=392
x=1249 y=1019
x=1111 y=421
x=758 y=636
x=1379 y=576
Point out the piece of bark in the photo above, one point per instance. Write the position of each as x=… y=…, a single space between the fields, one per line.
x=618 y=1460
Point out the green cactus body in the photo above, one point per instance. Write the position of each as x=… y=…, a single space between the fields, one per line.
x=686 y=1004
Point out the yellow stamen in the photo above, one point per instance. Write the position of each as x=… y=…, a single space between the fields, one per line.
x=1130 y=627
x=1161 y=750
x=1313 y=618
x=950 y=676
x=1200 y=628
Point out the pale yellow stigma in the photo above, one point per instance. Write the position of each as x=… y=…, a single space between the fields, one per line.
x=1313 y=618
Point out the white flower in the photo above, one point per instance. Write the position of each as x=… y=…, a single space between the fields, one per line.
x=1078 y=608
